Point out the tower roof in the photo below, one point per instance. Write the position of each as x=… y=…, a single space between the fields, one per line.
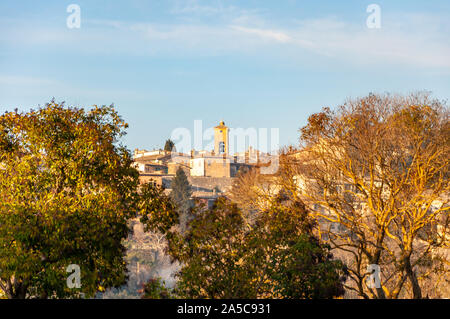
x=221 y=125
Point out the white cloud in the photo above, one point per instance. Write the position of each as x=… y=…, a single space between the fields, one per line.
x=408 y=40
x=219 y=12
x=196 y=7
x=419 y=45
x=13 y=80
x=267 y=34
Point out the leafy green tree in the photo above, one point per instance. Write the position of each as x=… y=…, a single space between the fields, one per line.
x=306 y=270
x=157 y=210
x=290 y=261
x=212 y=252
x=181 y=196
x=169 y=146
x=67 y=189
x=155 y=289
x=276 y=257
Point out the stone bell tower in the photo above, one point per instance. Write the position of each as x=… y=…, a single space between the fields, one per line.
x=221 y=139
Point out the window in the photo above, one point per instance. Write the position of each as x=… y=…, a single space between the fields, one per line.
x=221 y=147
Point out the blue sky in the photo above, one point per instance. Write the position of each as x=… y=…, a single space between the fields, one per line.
x=262 y=64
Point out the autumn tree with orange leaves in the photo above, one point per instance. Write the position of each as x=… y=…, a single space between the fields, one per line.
x=375 y=171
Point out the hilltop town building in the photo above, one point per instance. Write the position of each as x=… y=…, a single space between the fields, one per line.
x=209 y=172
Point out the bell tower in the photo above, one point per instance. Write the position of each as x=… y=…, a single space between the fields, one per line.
x=221 y=139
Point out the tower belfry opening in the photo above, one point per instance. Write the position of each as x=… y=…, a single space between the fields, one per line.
x=221 y=139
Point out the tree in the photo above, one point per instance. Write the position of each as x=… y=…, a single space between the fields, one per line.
x=377 y=168
x=222 y=257
x=181 y=195
x=253 y=192
x=211 y=253
x=157 y=211
x=155 y=289
x=68 y=189
x=307 y=270
x=169 y=146
x=290 y=261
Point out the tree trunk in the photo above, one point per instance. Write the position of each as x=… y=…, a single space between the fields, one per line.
x=417 y=291
x=15 y=289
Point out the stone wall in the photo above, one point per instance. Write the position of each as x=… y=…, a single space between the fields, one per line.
x=209 y=183
x=199 y=184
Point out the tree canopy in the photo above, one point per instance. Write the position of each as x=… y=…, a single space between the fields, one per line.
x=277 y=257
x=377 y=168
x=181 y=195
x=169 y=145
x=67 y=189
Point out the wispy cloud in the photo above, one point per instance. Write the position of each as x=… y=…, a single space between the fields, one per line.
x=196 y=7
x=265 y=34
x=414 y=40
x=12 y=80
x=420 y=45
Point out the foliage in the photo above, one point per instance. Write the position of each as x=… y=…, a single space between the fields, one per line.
x=252 y=191
x=306 y=270
x=378 y=167
x=169 y=146
x=181 y=195
x=67 y=188
x=290 y=261
x=156 y=289
x=224 y=257
x=212 y=252
x=157 y=210
x=181 y=190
